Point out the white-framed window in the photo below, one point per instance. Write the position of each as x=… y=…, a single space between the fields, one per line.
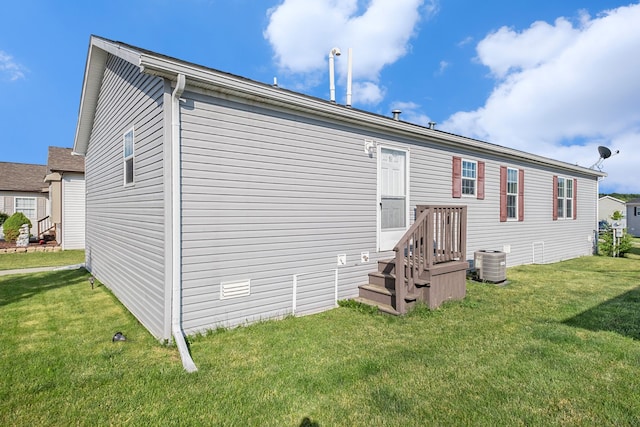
x=128 y=151
x=564 y=202
x=26 y=205
x=512 y=193
x=469 y=177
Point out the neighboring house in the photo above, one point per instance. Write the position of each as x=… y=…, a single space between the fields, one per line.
x=633 y=217
x=607 y=205
x=66 y=197
x=22 y=190
x=213 y=200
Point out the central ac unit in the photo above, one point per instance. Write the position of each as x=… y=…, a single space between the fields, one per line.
x=491 y=266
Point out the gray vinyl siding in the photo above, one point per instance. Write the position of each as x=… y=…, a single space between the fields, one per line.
x=562 y=239
x=633 y=219
x=273 y=198
x=269 y=197
x=125 y=225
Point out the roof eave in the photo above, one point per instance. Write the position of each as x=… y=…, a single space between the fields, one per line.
x=99 y=50
x=225 y=83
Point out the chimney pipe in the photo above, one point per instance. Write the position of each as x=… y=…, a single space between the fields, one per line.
x=432 y=125
x=349 y=76
x=332 y=82
x=396 y=114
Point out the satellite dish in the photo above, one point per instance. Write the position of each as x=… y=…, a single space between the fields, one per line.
x=605 y=153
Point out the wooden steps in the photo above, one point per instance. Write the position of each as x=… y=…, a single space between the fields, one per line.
x=450 y=283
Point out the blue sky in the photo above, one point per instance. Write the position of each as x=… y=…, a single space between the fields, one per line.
x=555 y=78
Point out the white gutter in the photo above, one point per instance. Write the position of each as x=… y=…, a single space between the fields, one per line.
x=176 y=215
x=237 y=86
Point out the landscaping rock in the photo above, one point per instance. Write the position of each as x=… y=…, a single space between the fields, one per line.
x=23 y=238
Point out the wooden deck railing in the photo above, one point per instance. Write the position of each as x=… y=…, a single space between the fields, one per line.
x=46 y=226
x=438 y=235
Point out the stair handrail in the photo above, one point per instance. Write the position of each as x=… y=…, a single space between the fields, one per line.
x=437 y=235
x=44 y=225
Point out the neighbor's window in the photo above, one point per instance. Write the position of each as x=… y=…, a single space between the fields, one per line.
x=564 y=202
x=26 y=205
x=128 y=153
x=469 y=177
x=512 y=193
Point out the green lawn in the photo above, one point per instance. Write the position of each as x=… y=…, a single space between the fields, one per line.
x=558 y=345
x=40 y=259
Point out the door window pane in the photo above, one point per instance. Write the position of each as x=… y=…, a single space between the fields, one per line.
x=393 y=188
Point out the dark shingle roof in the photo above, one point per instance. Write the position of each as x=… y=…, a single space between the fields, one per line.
x=61 y=160
x=633 y=201
x=22 y=177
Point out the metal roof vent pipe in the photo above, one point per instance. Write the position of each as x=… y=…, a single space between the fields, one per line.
x=396 y=114
x=332 y=82
x=432 y=125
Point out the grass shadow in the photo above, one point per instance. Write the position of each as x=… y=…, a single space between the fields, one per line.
x=16 y=288
x=634 y=251
x=620 y=315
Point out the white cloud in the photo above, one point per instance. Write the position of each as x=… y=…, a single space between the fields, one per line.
x=442 y=68
x=562 y=90
x=10 y=69
x=367 y=93
x=302 y=32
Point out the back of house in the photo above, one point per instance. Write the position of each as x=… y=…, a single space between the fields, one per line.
x=213 y=200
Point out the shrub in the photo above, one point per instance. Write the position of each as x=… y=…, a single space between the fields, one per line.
x=3 y=217
x=622 y=246
x=11 y=226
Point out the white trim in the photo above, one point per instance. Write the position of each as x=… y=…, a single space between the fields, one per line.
x=131 y=157
x=407 y=184
x=565 y=198
x=474 y=179
x=35 y=208
x=294 y=290
x=516 y=194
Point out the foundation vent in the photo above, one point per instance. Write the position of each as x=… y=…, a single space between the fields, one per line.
x=230 y=290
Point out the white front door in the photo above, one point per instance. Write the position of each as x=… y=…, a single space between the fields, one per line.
x=393 y=184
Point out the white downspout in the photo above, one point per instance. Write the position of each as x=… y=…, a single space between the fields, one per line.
x=176 y=215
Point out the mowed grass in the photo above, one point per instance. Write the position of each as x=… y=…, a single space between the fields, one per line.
x=558 y=345
x=40 y=259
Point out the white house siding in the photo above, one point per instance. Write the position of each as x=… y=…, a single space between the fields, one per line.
x=125 y=225
x=73 y=215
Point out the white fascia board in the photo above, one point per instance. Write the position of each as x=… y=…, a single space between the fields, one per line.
x=229 y=84
x=99 y=50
